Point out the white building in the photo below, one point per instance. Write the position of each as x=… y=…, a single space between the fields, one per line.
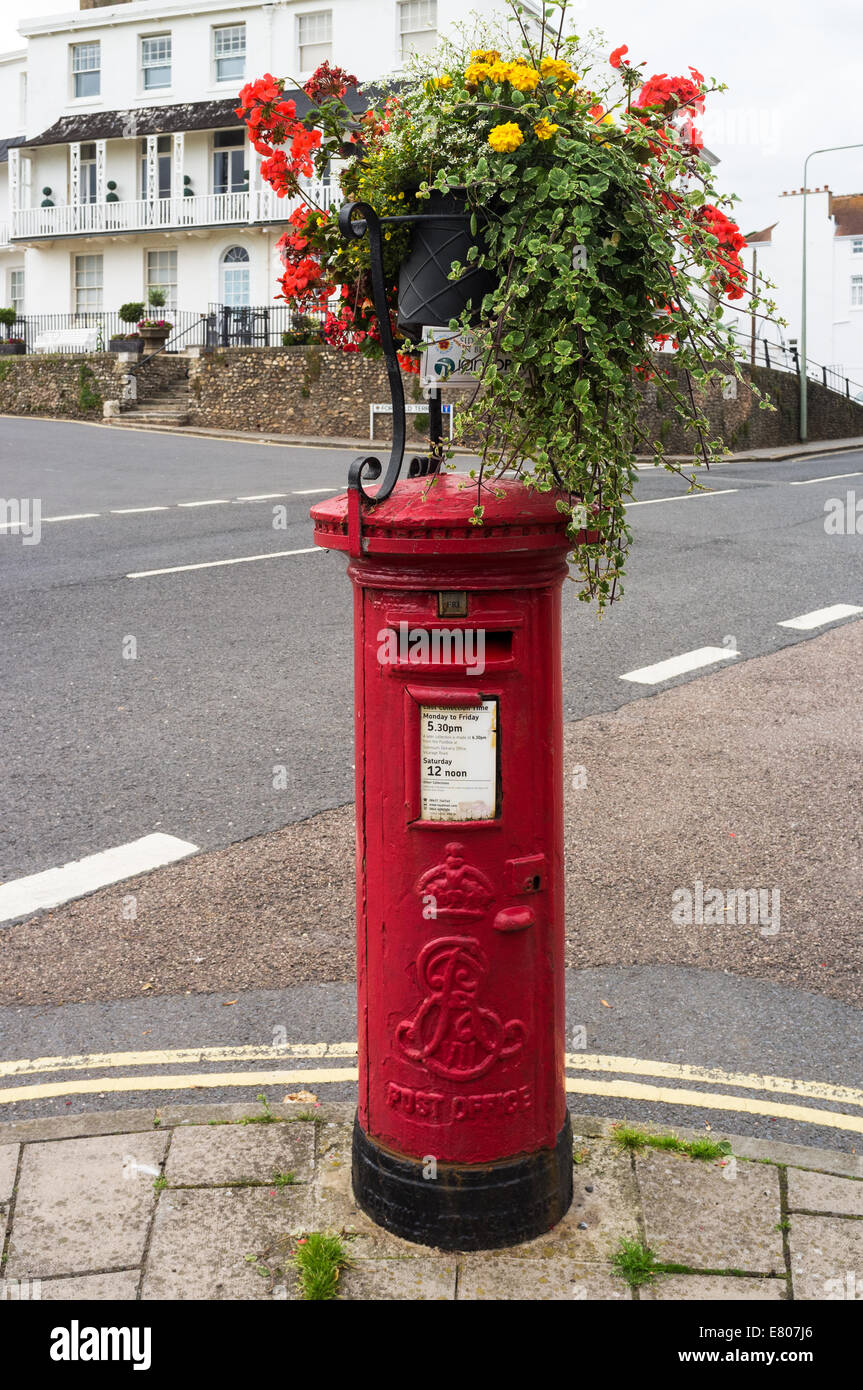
x=122 y=164
x=834 y=260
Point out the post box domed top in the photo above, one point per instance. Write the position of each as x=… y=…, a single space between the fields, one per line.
x=435 y=513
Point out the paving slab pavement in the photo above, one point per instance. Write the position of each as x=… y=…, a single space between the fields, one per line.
x=201 y=1206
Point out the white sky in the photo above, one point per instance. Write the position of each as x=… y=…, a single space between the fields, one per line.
x=793 y=69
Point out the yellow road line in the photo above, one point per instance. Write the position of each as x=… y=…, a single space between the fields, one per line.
x=704 y=1100
x=715 y=1076
x=580 y=1061
x=205 y=1080
x=176 y=1057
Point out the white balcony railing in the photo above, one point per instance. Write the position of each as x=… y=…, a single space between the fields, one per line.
x=4 y=233
x=141 y=215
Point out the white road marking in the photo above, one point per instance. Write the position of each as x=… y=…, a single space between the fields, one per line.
x=820 y=616
x=261 y=496
x=678 y=665
x=54 y=886
x=73 y=516
x=307 y=491
x=129 y=511
x=211 y=564
x=831 y=478
x=209 y=502
x=684 y=497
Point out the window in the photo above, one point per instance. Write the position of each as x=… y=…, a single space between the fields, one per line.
x=229 y=52
x=235 y=277
x=417 y=26
x=88 y=283
x=229 y=161
x=162 y=274
x=16 y=291
x=86 y=72
x=163 y=167
x=857 y=246
x=156 y=62
x=857 y=291
x=87 y=174
x=315 y=39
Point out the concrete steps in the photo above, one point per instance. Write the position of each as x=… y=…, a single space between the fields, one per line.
x=169 y=406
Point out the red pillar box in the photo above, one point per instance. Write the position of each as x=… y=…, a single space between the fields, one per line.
x=462 y=1138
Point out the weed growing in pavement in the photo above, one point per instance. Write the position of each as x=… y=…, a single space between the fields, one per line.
x=635 y=1141
x=268 y=1118
x=160 y=1183
x=319 y=1259
x=634 y=1262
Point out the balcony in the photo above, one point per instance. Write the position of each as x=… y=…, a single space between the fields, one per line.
x=161 y=214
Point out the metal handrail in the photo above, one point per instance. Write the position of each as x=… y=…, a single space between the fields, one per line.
x=814 y=370
x=133 y=371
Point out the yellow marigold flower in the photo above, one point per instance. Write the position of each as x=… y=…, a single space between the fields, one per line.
x=506 y=137
x=476 y=73
x=559 y=70
x=521 y=76
x=544 y=129
x=443 y=81
x=484 y=55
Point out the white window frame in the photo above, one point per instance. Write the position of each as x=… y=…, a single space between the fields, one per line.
x=168 y=285
x=93 y=45
x=857 y=291
x=146 y=67
x=313 y=40
x=240 y=148
x=225 y=267
x=416 y=17
x=231 y=52
x=97 y=285
x=17 y=301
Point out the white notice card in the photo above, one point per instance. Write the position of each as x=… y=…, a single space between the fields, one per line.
x=458 y=756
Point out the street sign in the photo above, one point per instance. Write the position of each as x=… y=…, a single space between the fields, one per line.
x=452 y=359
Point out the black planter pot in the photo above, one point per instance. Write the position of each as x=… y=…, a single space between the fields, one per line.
x=121 y=344
x=12 y=349
x=427 y=296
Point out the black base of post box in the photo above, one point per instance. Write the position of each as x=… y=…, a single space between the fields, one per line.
x=466 y=1206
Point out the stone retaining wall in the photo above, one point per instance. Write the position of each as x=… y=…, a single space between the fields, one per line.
x=77 y=385
x=321 y=392
x=295 y=390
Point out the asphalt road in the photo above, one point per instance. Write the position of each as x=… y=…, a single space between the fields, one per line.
x=240 y=669
x=243 y=668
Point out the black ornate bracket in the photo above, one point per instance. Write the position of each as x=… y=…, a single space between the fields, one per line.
x=357 y=220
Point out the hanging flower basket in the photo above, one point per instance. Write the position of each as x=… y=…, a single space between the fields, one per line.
x=427 y=294
x=579 y=246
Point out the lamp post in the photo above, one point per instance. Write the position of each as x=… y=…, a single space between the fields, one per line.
x=804 y=379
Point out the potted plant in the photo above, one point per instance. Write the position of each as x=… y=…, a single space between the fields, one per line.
x=10 y=347
x=128 y=342
x=579 y=239
x=155 y=331
x=303 y=332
